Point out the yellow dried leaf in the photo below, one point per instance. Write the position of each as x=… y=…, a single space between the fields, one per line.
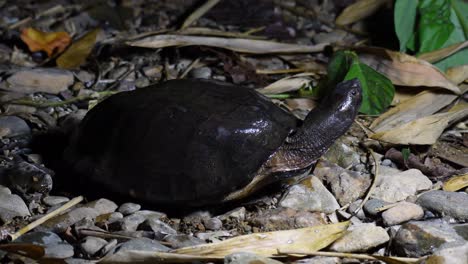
x=437 y=55
x=458 y=74
x=50 y=42
x=359 y=10
x=76 y=55
x=456 y=183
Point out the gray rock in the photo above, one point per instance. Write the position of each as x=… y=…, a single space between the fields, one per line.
x=47 y=80
x=150 y=214
x=342 y=154
x=246 y=257
x=398 y=187
x=182 y=240
x=355 y=206
x=128 y=223
x=91 y=245
x=285 y=218
x=115 y=216
x=12 y=206
x=320 y=260
x=361 y=238
x=201 y=73
x=455 y=254
x=346 y=185
x=213 y=223
x=4 y=190
x=310 y=195
x=54 y=246
x=402 y=212
x=419 y=238
x=129 y=208
x=60 y=223
x=237 y=213
x=160 y=229
x=102 y=206
x=373 y=206
x=453 y=204
x=55 y=200
x=12 y=126
x=78 y=261
x=143 y=243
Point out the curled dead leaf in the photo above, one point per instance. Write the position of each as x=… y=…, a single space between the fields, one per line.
x=79 y=51
x=359 y=10
x=456 y=183
x=50 y=42
x=437 y=55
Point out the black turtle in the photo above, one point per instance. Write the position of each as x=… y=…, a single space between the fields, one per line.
x=202 y=141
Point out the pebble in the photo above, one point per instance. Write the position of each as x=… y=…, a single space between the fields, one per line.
x=4 y=190
x=47 y=80
x=159 y=228
x=237 y=213
x=419 y=238
x=246 y=257
x=346 y=185
x=372 y=207
x=402 y=212
x=12 y=126
x=450 y=255
x=150 y=214
x=128 y=208
x=91 y=245
x=183 y=240
x=12 y=206
x=61 y=223
x=143 y=243
x=213 y=223
x=113 y=217
x=310 y=195
x=54 y=246
x=453 y=204
x=285 y=218
x=361 y=238
x=355 y=206
x=342 y=154
x=201 y=73
x=398 y=187
x=55 y=200
x=102 y=206
x=128 y=223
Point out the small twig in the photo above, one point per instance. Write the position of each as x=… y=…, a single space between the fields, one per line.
x=46 y=217
x=280 y=71
x=199 y=12
x=350 y=255
x=366 y=130
x=189 y=68
x=374 y=183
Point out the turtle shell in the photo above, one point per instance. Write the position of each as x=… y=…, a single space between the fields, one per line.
x=179 y=141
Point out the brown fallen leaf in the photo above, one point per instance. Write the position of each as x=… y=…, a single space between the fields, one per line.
x=421 y=105
x=78 y=52
x=359 y=10
x=403 y=69
x=458 y=74
x=50 y=42
x=235 y=44
x=437 y=55
x=456 y=183
x=422 y=131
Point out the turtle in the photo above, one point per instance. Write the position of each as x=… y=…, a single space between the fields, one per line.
x=199 y=141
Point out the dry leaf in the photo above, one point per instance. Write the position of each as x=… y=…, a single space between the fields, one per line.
x=235 y=44
x=287 y=84
x=359 y=10
x=458 y=74
x=405 y=70
x=423 y=104
x=422 y=131
x=76 y=55
x=50 y=42
x=437 y=55
x=27 y=250
x=456 y=183
x=267 y=244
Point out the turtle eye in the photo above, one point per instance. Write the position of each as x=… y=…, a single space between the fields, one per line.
x=353 y=92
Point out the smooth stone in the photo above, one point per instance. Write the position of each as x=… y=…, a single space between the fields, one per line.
x=150 y=214
x=402 y=212
x=419 y=238
x=346 y=185
x=453 y=204
x=78 y=261
x=4 y=190
x=455 y=254
x=398 y=187
x=12 y=126
x=114 y=217
x=144 y=244
x=201 y=73
x=91 y=245
x=237 y=213
x=361 y=238
x=355 y=206
x=213 y=223
x=129 y=208
x=102 y=206
x=128 y=223
x=47 y=80
x=285 y=218
x=54 y=246
x=183 y=240
x=320 y=260
x=55 y=200
x=342 y=154
x=246 y=257
x=60 y=223
x=160 y=229
x=310 y=195
x=11 y=206
x=373 y=206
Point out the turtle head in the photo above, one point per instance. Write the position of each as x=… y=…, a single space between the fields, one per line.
x=345 y=99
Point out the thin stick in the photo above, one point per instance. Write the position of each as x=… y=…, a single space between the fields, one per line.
x=189 y=68
x=374 y=183
x=199 y=12
x=46 y=217
x=350 y=255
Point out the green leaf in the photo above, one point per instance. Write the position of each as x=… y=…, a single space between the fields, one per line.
x=435 y=26
x=377 y=90
x=460 y=7
x=405 y=19
x=406 y=153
